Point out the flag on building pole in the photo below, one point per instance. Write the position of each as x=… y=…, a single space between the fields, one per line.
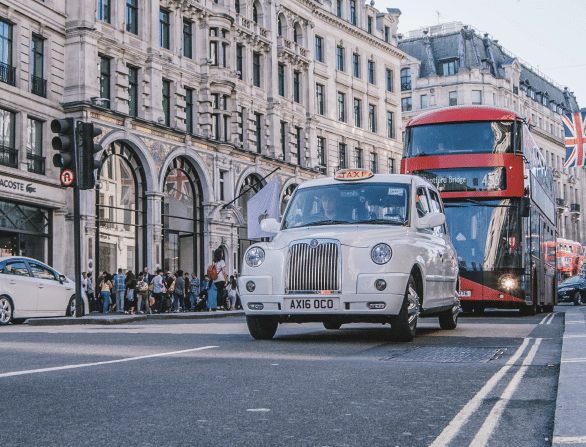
x=263 y=205
x=575 y=139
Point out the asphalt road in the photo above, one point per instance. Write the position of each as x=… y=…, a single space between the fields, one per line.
x=490 y=382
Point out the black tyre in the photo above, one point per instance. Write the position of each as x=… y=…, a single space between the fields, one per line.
x=448 y=319
x=70 y=312
x=467 y=308
x=6 y=310
x=548 y=308
x=404 y=327
x=529 y=309
x=261 y=328
x=332 y=325
x=18 y=320
x=577 y=299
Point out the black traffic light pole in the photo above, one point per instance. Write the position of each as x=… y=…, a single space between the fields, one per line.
x=76 y=159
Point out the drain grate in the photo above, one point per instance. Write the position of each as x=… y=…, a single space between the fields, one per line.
x=448 y=355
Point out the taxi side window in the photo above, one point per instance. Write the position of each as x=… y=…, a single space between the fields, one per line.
x=42 y=272
x=14 y=268
x=421 y=202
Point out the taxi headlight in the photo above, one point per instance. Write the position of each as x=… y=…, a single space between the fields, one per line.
x=255 y=256
x=381 y=254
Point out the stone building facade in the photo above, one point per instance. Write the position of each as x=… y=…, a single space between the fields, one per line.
x=451 y=64
x=198 y=103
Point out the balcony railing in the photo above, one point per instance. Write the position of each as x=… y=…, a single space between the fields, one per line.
x=560 y=203
x=7 y=74
x=36 y=163
x=574 y=208
x=39 y=86
x=8 y=156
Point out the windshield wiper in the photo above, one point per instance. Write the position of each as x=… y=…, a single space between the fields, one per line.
x=326 y=222
x=378 y=222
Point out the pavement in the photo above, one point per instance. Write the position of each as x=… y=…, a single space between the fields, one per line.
x=569 y=426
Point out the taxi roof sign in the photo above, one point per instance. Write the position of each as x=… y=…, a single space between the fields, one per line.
x=353 y=174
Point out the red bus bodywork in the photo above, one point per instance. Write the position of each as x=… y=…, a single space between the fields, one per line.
x=478 y=290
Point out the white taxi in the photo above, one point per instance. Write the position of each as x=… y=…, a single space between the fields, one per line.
x=353 y=248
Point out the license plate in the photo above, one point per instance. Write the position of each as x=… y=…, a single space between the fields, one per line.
x=325 y=304
x=465 y=293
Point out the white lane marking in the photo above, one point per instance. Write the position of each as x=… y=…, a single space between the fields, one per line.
x=575 y=360
x=569 y=439
x=85 y=365
x=462 y=417
x=487 y=429
x=552 y=317
x=544 y=318
x=548 y=318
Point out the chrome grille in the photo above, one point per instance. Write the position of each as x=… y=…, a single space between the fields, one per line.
x=313 y=269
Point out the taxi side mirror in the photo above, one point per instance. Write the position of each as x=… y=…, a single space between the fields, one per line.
x=270 y=225
x=431 y=220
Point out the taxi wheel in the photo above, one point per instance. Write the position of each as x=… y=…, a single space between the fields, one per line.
x=448 y=319
x=70 y=312
x=261 y=328
x=332 y=325
x=6 y=310
x=405 y=325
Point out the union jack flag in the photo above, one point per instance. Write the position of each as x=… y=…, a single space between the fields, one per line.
x=178 y=184
x=575 y=139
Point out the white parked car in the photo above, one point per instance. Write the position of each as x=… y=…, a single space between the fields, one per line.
x=357 y=247
x=29 y=288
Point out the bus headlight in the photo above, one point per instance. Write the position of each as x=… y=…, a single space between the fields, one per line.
x=381 y=254
x=255 y=256
x=508 y=282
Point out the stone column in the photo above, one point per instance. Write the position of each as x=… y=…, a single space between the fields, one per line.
x=154 y=227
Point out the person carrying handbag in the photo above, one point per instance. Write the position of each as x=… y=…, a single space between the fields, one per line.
x=221 y=281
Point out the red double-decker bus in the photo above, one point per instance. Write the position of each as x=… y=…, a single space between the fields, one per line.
x=499 y=198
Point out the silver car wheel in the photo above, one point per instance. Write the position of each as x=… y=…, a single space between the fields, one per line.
x=412 y=307
x=5 y=310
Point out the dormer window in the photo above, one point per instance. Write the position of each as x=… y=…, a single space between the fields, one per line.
x=450 y=67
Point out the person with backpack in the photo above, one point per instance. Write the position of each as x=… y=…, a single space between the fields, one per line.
x=193 y=291
x=142 y=289
x=158 y=285
x=119 y=291
x=218 y=269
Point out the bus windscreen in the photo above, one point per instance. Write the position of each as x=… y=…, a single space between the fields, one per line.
x=476 y=137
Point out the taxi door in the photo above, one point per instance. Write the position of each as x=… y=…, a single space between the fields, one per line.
x=19 y=285
x=53 y=297
x=434 y=246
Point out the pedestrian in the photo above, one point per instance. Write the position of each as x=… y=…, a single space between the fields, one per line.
x=142 y=289
x=212 y=297
x=221 y=281
x=119 y=291
x=204 y=287
x=178 y=291
x=186 y=301
x=98 y=290
x=130 y=285
x=232 y=294
x=106 y=288
x=158 y=285
x=193 y=291
x=89 y=285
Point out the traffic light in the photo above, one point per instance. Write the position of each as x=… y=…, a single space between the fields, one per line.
x=65 y=144
x=87 y=149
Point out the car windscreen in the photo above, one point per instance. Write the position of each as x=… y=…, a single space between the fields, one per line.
x=573 y=280
x=349 y=203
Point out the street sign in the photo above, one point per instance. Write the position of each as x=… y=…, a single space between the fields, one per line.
x=67 y=177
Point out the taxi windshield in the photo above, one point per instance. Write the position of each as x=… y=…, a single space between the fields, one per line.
x=349 y=203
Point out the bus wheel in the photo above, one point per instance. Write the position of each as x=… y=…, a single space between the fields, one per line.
x=448 y=319
x=529 y=310
x=577 y=299
x=467 y=308
x=261 y=328
x=332 y=325
x=404 y=327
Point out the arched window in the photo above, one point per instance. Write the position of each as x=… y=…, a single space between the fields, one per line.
x=182 y=219
x=120 y=211
x=254 y=13
x=297 y=34
x=279 y=26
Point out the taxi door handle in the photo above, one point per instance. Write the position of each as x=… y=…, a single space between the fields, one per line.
x=40 y=286
x=12 y=282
